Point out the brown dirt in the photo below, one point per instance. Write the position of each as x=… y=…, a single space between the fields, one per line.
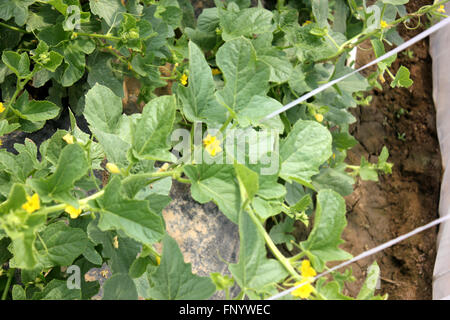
x=407 y=199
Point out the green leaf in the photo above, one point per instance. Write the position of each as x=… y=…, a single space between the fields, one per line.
x=245 y=77
x=103 y=109
x=320 y=11
x=280 y=66
x=248 y=181
x=304 y=150
x=57 y=290
x=257 y=109
x=72 y=166
x=402 y=78
x=325 y=237
x=119 y=259
x=6 y=128
x=18 y=293
x=33 y=110
x=133 y=217
x=369 y=286
x=254 y=272
x=110 y=10
x=280 y=233
x=215 y=183
x=119 y=287
x=395 y=2
x=15 y=8
x=246 y=22
x=60 y=245
x=49 y=60
x=336 y=179
x=18 y=63
x=173 y=279
x=198 y=100
x=101 y=73
x=151 y=135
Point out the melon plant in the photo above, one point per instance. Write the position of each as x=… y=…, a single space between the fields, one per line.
x=93 y=192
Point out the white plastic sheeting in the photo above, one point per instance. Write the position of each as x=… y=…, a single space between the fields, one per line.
x=440 y=52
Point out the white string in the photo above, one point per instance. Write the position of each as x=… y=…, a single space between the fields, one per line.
x=367 y=253
x=400 y=48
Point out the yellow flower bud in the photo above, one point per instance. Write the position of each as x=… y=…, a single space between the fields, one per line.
x=2 y=108
x=319 y=117
x=68 y=138
x=184 y=79
x=73 y=212
x=32 y=204
x=112 y=167
x=158 y=260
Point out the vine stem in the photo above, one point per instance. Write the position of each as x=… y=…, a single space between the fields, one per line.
x=353 y=42
x=273 y=248
x=21 y=82
x=96 y=35
x=13 y=28
x=8 y=283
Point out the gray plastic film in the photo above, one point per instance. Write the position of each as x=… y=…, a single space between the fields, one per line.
x=440 y=53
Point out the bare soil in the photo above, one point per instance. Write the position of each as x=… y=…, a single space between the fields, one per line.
x=407 y=199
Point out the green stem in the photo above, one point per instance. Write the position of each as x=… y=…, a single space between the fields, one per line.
x=227 y=122
x=96 y=35
x=13 y=28
x=62 y=206
x=8 y=283
x=355 y=41
x=273 y=248
x=21 y=82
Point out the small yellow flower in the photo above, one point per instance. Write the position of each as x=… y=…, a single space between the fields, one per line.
x=384 y=24
x=164 y=167
x=68 y=138
x=112 y=167
x=306 y=23
x=306 y=270
x=304 y=291
x=110 y=47
x=130 y=67
x=319 y=117
x=441 y=9
x=104 y=273
x=73 y=212
x=32 y=203
x=184 y=79
x=158 y=260
x=382 y=79
x=334 y=156
x=216 y=71
x=2 y=108
x=116 y=242
x=1 y=143
x=212 y=145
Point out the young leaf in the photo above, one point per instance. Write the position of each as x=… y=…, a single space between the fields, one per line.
x=72 y=166
x=325 y=237
x=173 y=279
x=402 y=78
